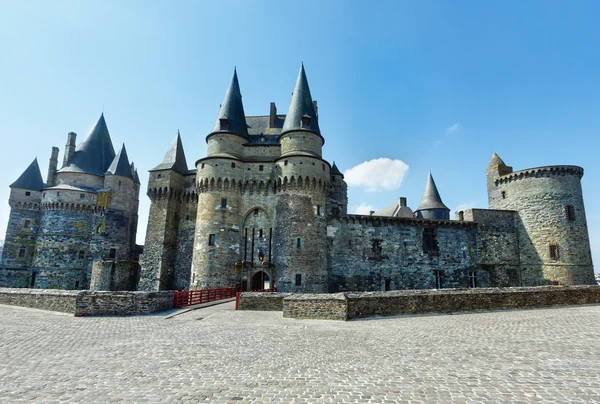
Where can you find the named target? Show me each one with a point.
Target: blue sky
(439, 85)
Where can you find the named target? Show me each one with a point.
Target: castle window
(159, 176)
(223, 203)
(323, 166)
(473, 283)
(305, 122)
(27, 193)
(81, 254)
(298, 279)
(503, 194)
(22, 251)
(112, 253)
(58, 193)
(255, 212)
(299, 242)
(570, 212)
(554, 252)
(81, 196)
(439, 277)
(224, 123)
(76, 284)
(27, 224)
(202, 166)
(260, 233)
(232, 165)
(285, 163)
(212, 239)
(318, 210)
(430, 245)
(261, 167)
(335, 211)
(32, 281)
(187, 217)
(388, 285)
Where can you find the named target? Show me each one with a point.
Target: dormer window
(223, 123)
(305, 122)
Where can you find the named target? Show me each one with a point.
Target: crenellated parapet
(381, 221)
(539, 172)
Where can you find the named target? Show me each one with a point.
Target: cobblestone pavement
(216, 355)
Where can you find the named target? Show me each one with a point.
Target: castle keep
(264, 209)
(86, 212)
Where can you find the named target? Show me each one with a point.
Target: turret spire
(302, 113)
(231, 117)
(431, 206)
(496, 161)
(174, 158)
(30, 179)
(120, 164)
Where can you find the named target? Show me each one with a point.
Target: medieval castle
(264, 209)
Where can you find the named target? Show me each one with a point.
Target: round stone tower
(217, 238)
(553, 236)
(300, 230)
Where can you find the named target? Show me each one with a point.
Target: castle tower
(165, 187)
(431, 206)
(219, 212)
(338, 195)
(23, 226)
(300, 230)
(553, 236)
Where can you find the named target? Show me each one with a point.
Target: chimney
(273, 116)
(371, 213)
(69, 148)
(316, 108)
(51, 178)
(402, 202)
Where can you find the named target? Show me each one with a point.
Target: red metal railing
(191, 297)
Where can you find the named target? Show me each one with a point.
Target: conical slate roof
(431, 197)
(496, 161)
(134, 174)
(30, 179)
(335, 170)
(120, 165)
(174, 158)
(301, 105)
(95, 154)
(232, 109)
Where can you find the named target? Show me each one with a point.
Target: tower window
(58, 193)
(388, 285)
(81, 254)
(112, 253)
(224, 123)
(211, 239)
(187, 217)
(439, 276)
(473, 283)
(223, 203)
(323, 166)
(298, 279)
(503, 194)
(298, 242)
(430, 245)
(260, 233)
(27, 193)
(570, 212)
(261, 167)
(159, 176)
(202, 166)
(27, 224)
(81, 196)
(285, 163)
(318, 210)
(554, 256)
(255, 212)
(305, 121)
(232, 165)
(22, 251)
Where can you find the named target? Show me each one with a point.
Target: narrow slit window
(473, 281)
(439, 278)
(298, 242)
(570, 212)
(27, 193)
(223, 203)
(503, 194)
(261, 167)
(212, 239)
(430, 245)
(554, 254)
(298, 279)
(27, 224)
(112, 253)
(318, 210)
(81, 255)
(285, 163)
(22, 251)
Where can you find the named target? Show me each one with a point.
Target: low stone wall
(332, 306)
(94, 303)
(89, 303)
(262, 301)
(45, 299)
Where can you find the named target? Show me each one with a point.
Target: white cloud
(453, 128)
(382, 174)
(362, 209)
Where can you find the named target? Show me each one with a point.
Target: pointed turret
(31, 178)
(302, 113)
(95, 154)
(496, 161)
(431, 206)
(174, 158)
(335, 170)
(231, 116)
(120, 165)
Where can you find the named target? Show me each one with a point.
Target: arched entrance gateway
(256, 269)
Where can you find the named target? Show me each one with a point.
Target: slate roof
(301, 105)
(174, 158)
(120, 165)
(95, 154)
(232, 109)
(395, 210)
(431, 197)
(335, 170)
(30, 179)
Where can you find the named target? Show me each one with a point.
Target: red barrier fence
(191, 297)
